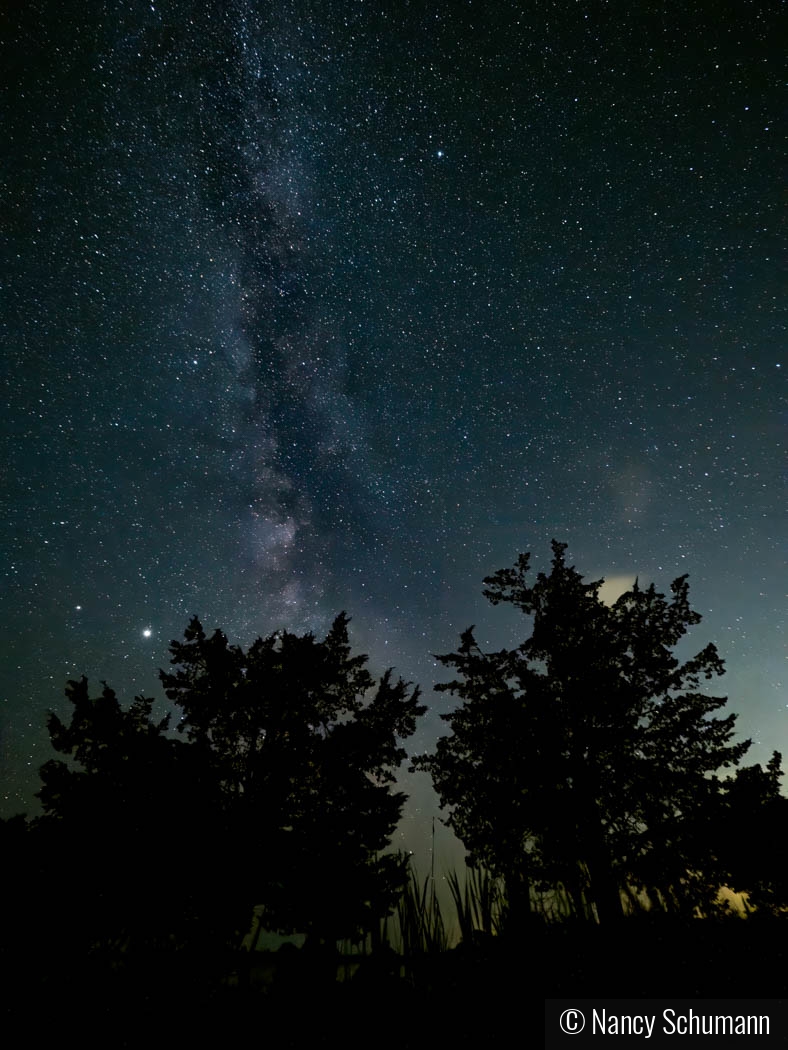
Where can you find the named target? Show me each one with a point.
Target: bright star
(147, 632)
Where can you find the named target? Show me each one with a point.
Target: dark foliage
(583, 758)
(751, 835)
(130, 820)
(302, 762)
(281, 795)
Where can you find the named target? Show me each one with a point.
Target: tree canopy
(303, 763)
(582, 757)
(280, 795)
(749, 834)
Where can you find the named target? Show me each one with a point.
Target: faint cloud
(614, 587)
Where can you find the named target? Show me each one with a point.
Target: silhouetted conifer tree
(302, 761)
(280, 796)
(582, 756)
(125, 815)
(751, 835)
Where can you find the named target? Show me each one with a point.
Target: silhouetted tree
(302, 762)
(281, 795)
(583, 755)
(751, 835)
(125, 814)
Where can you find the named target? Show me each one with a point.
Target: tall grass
(420, 919)
(420, 925)
(480, 904)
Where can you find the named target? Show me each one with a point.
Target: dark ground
(457, 998)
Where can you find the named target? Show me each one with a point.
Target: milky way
(322, 306)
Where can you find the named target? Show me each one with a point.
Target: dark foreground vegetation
(595, 785)
(311, 997)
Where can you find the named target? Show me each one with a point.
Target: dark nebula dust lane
(311, 306)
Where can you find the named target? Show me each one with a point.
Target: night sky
(342, 305)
